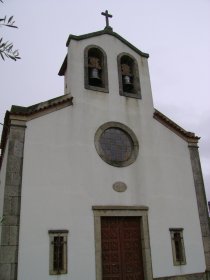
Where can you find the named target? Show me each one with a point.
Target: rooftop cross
(107, 15)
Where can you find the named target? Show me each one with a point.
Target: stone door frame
(139, 211)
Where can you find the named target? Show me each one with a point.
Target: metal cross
(107, 15)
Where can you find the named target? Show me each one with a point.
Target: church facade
(98, 184)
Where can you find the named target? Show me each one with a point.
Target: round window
(116, 144)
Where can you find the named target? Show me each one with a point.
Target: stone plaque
(119, 187)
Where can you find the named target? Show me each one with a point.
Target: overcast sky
(174, 32)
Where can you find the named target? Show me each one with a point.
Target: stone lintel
(119, 207)
(16, 120)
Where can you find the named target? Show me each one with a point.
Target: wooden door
(121, 248)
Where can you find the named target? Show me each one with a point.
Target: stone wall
(195, 276)
(12, 202)
(201, 201)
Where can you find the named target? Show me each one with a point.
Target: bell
(94, 74)
(127, 83)
(94, 79)
(127, 80)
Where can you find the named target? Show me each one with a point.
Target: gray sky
(174, 32)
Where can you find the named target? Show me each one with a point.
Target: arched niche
(95, 64)
(128, 73)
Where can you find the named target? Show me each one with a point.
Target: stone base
(8, 271)
(207, 275)
(194, 276)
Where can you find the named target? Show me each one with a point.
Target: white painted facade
(63, 176)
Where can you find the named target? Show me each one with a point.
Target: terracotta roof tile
(186, 135)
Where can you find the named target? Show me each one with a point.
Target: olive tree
(7, 48)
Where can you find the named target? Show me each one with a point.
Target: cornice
(43, 107)
(18, 115)
(189, 137)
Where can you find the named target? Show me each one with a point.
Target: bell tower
(104, 67)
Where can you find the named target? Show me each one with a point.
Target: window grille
(178, 249)
(58, 251)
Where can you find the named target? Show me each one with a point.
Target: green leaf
(10, 19)
(2, 55)
(3, 19)
(9, 25)
(12, 57)
(3, 45)
(10, 48)
(8, 45)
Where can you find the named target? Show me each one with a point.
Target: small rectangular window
(177, 243)
(58, 251)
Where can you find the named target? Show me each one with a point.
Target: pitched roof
(108, 31)
(40, 107)
(31, 112)
(188, 136)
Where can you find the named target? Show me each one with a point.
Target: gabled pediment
(107, 31)
(42, 108)
(188, 136)
(19, 115)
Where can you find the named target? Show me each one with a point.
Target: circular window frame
(125, 129)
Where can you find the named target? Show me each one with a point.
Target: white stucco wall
(63, 176)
